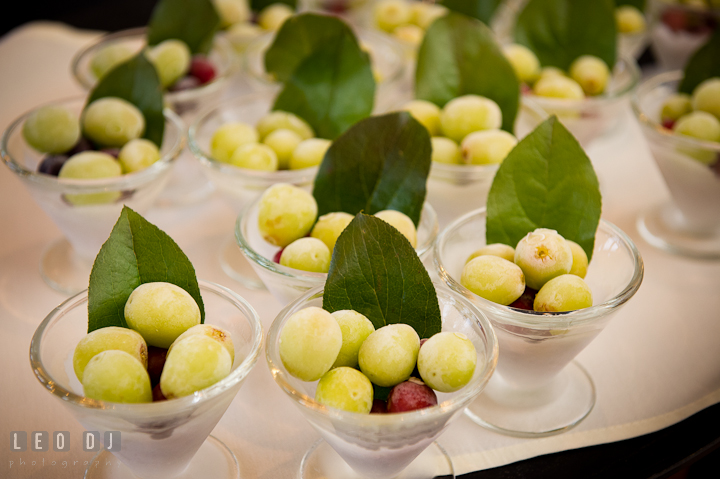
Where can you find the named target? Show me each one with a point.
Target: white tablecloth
(657, 362)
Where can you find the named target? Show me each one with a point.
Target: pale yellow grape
(629, 19)
(282, 119)
(171, 59)
(107, 58)
(549, 72)
(401, 222)
(706, 97)
(215, 332)
(388, 356)
(285, 214)
(567, 292)
(493, 278)
(104, 339)
(309, 343)
(676, 105)
(307, 254)
(699, 124)
(487, 147)
(524, 62)
(427, 113)
(273, 16)
(232, 12)
(229, 137)
(255, 156)
(580, 259)
(424, 14)
(241, 35)
(409, 34)
(161, 312)
(309, 153)
(195, 363)
(557, 86)
(329, 227)
(466, 114)
(495, 249)
(444, 150)
(283, 142)
(390, 14)
(347, 389)
(591, 73)
(112, 122)
(116, 376)
(542, 255)
(51, 129)
(447, 361)
(137, 155)
(90, 165)
(355, 329)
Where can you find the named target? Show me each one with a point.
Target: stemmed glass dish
(163, 439)
(285, 283)
(690, 223)
(538, 389)
(385, 445)
(239, 186)
(65, 264)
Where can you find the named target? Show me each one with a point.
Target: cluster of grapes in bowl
(242, 27)
(543, 273)
(164, 353)
(696, 115)
(406, 20)
(347, 356)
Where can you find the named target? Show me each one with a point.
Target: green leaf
(136, 252)
(704, 64)
(136, 81)
(459, 56)
(257, 5)
(483, 10)
(547, 181)
(380, 163)
(559, 31)
(192, 21)
(332, 87)
(639, 4)
(376, 272)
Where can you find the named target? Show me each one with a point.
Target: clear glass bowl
(383, 445)
(690, 224)
(239, 186)
(285, 283)
(158, 439)
(66, 264)
(537, 390)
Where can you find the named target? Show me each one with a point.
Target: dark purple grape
(411, 395)
(52, 164)
(114, 152)
(83, 144)
(202, 69)
(156, 361)
(185, 83)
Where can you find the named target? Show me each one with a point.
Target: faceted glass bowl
(537, 391)
(690, 224)
(66, 265)
(383, 445)
(159, 439)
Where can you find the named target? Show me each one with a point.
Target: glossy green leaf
(704, 64)
(137, 82)
(376, 272)
(192, 21)
(459, 56)
(483, 10)
(381, 163)
(136, 252)
(547, 181)
(559, 31)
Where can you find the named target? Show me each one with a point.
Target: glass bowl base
(554, 409)
(655, 226)
(236, 265)
(186, 185)
(63, 269)
(322, 462)
(213, 459)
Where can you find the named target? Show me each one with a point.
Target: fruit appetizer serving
(134, 355)
(380, 166)
(632, 27)
(82, 159)
(549, 274)
(379, 364)
(680, 116)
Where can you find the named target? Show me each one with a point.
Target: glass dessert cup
(387, 58)
(239, 186)
(690, 223)
(286, 284)
(162, 439)
(187, 185)
(65, 265)
(385, 445)
(538, 389)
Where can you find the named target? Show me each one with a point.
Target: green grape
(329, 227)
(195, 363)
(487, 147)
(566, 292)
(580, 259)
(447, 361)
(241, 35)
(400, 222)
(424, 14)
(116, 376)
(495, 249)
(493, 278)
(91, 165)
(309, 153)
(108, 58)
(309, 343)
(171, 59)
(273, 16)
(390, 14)
(388, 356)
(286, 213)
(232, 12)
(706, 97)
(283, 142)
(591, 73)
(675, 106)
(255, 156)
(112, 122)
(409, 34)
(556, 86)
(306, 254)
(444, 150)
(51, 129)
(137, 155)
(629, 20)
(355, 329)
(523, 61)
(229, 137)
(542, 255)
(276, 120)
(217, 333)
(699, 124)
(161, 312)
(347, 389)
(549, 72)
(427, 113)
(104, 339)
(467, 114)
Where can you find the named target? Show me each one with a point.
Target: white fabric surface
(656, 363)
